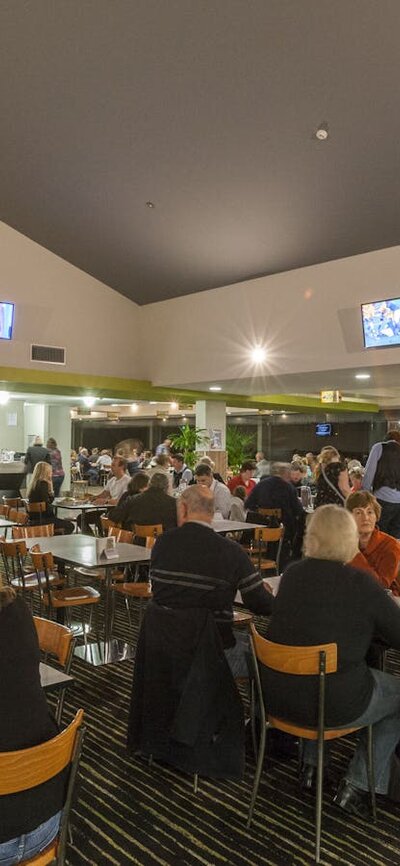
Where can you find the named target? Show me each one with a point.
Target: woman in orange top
(379, 553)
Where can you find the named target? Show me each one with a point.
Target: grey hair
(331, 535)
(199, 499)
(280, 469)
(160, 480)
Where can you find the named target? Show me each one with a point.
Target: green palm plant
(188, 440)
(239, 447)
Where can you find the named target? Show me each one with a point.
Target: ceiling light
(134, 407)
(258, 355)
(363, 375)
(322, 133)
(4, 398)
(215, 388)
(150, 204)
(174, 405)
(153, 403)
(89, 401)
(284, 415)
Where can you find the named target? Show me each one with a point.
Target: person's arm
(251, 587)
(370, 469)
(360, 561)
(224, 502)
(343, 483)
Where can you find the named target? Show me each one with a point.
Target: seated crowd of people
(339, 586)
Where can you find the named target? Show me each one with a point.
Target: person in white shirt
(104, 461)
(222, 496)
(115, 487)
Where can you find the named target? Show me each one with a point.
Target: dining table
(221, 525)
(90, 553)
(5, 525)
(52, 679)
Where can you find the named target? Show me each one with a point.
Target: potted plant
(239, 446)
(187, 441)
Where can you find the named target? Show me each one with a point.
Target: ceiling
(209, 111)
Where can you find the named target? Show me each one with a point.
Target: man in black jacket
(35, 454)
(152, 506)
(278, 492)
(194, 567)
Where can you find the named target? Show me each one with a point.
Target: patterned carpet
(129, 813)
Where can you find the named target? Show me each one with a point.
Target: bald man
(193, 566)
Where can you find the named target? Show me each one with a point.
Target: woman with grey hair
(321, 600)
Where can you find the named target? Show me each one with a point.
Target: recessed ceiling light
(89, 401)
(284, 415)
(363, 375)
(134, 407)
(4, 398)
(174, 405)
(258, 354)
(153, 403)
(215, 388)
(322, 133)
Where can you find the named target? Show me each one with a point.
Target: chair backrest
(301, 660)
(4, 509)
(13, 502)
(17, 516)
(36, 507)
(42, 562)
(122, 535)
(27, 768)
(150, 531)
(13, 548)
(269, 534)
(54, 638)
(271, 512)
(107, 523)
(43, 530)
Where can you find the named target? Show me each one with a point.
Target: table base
(114, 650)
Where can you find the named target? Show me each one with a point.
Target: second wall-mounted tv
(381, 323)
(6, 320)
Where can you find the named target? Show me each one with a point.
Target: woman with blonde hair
(41, 490)
(322, 600)
(29, 820)
(332, 478)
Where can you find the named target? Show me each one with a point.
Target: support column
(60, 428)
(211, 416)
(35, 422)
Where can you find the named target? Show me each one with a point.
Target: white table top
(51, 678)
(82, 550)
(234, 525)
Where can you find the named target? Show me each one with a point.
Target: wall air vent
(48, 354)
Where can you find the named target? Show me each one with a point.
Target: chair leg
(371, 773)
(195, 783)
(253, 717)
(84, 629)
(318, 803)
(257, 777)
(128, 610)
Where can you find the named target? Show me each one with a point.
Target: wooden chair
(318, 661)
(271, 512)
(262, 538)
(34, 508)
(13, 554)
(148, 531)
(44, 530)
(136, 589)
(28, 768)
(106, 524)
(14, 502)
(4, 510)
(67, 598)
(18, 516)
(56, 640)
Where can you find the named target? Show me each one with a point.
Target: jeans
(389, 520)
(383, 712)
(237, 655)
(57, 482)
(30, 844)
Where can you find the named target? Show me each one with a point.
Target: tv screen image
(323, 429)
(6, 320)
(381, 323)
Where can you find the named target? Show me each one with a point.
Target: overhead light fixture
(134, 407)
(363, 375)
(284, 415)
(258, 355)
(215, 388)
(89, 401)
(4, 398)
(322, 132)
(153, 403)
(150, 204)
(174, 405)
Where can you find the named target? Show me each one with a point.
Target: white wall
(59, 305)
(12, 437)
(308, 318)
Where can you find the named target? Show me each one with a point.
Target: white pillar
(60, 427)
(211, 416)
(35, 422)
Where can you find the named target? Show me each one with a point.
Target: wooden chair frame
(265, 536)
(36, 508)
(17, 516)
(43, 530)
(306, 660)
(13, 554)
(59, 641)
(27, 768)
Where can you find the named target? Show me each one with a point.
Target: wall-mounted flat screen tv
(323, 429)
(381, 323)
(6, 320)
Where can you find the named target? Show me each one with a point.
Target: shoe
(308, 777)
(352, 800)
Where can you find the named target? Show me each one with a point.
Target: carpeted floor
(128, 813)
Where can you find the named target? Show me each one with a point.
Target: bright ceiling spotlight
(4, 398)
(215, 388)
(363, 375)
(89, 401)
(134, 407)
(258, 355)
(174, 405)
